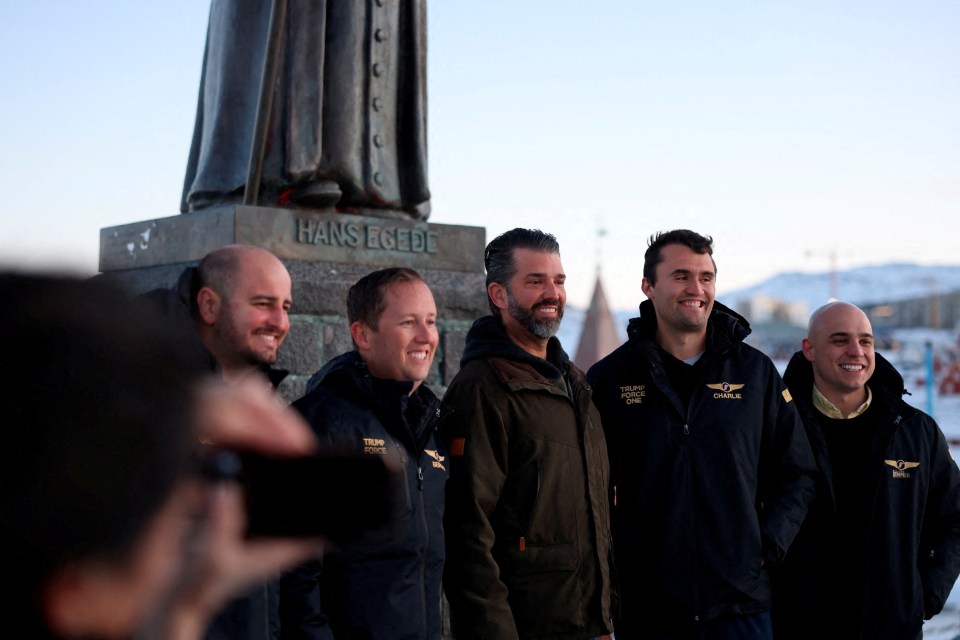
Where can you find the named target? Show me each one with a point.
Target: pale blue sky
(786, 130)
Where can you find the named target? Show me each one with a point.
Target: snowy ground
(946, 626)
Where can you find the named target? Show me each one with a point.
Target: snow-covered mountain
(861, 285)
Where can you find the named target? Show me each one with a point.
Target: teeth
(692, 303)
(852, 367)
(418, 355)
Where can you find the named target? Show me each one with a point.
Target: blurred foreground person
(880, 550)
(107, 528)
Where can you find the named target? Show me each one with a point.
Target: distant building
(763, 309)
(598, 335)
(777, 326)
(934, 311)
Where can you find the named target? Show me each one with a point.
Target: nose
(426, 332)
(551, 291)
(280, 318)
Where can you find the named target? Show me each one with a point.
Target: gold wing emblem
(725, 386)
(901, 464)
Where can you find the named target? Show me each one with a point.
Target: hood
(885, 381)
(176, 303)
(488, 339)
(175, 306)
(348, 372)
(724, 327)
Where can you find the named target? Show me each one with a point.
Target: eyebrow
(267, 298)
(844, 334)
(690, 272)
(544, 275)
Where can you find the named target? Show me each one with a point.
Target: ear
(208, 305)
(808, 350)
(360, 333)
(498, 293)
(647, 288)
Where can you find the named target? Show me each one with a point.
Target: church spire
(599, 335)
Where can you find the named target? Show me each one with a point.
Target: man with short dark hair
(527, 524)
(712, 469)
(880, 550)
(372, 402)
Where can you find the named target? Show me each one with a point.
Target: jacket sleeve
(940, 536)
(787, 472)
(301, 616)
(301, 613)
(477, 440)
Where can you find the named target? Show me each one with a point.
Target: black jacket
(910, 558)
(254, 616)
(527, 524)
(709, 493)
(388, 584)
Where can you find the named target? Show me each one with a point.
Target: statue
(342, 122)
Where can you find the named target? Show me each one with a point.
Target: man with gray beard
(527, 520)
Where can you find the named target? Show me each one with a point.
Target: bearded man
(527, 519)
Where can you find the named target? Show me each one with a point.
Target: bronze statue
(341, 118)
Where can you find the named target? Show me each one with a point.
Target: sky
(801, 136)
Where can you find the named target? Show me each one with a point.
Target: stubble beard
(237, 342)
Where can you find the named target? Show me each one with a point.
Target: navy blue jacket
(709, 493)
(387, 585)
(910, 555)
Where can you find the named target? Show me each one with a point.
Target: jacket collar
(886, 380)
(488, 339)
(725, 327)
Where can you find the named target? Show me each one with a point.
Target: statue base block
(325, 253)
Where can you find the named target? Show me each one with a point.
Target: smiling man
(236, 302)
(242, 308)
(880, 550)
(372, 401)
(712, 470)
(527, 524)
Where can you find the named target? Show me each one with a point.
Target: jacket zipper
(533, 510)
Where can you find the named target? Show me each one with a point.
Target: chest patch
(726, 390)
(901, 467)
(633, 393)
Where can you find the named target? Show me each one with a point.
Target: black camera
(331, 495)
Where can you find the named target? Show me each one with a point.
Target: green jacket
(527, 521)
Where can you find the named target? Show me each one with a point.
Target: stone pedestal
(325, 252)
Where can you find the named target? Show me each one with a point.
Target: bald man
(238, 300)
(880, 549)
